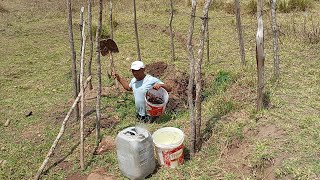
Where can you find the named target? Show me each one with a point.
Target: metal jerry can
(135, 152)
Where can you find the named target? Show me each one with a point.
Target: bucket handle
(131, 133)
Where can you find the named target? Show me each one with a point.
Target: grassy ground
(281, 142)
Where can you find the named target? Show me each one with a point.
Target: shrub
(252, 7)
(222, 80)
(301, 5)
(104, 31)
(229, 7)
(225, 107)
(290, 5)
(283, 6)
(266, 99)
(217, 4)
(313, 36)
(114, 22)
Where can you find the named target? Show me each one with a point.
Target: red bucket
(156, 101)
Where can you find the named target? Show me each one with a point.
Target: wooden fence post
(90, 41)
(191, 80)
(198, 76)
(275, 30)
(98, 103)
(73, 57)
(239, 27)
(173, 57)
(207, 40)
(260, 55)
(136, 29)
(82, 91)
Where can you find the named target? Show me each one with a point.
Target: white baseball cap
(136, 65)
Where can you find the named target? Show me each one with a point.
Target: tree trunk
(82, 91)
(207, 40)
(80, 30)
(90, 41)
(260, 56)
(239, 27)
(191, 81)
(173, 57)
(136, 29)
(275, 39)
(198, 76)
(98, 104)
(73, 57)
(111, 22)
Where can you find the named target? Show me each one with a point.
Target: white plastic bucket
(156, 109)
(169, 146)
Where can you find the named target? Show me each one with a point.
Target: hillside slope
(280, 142)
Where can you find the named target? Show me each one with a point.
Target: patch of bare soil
(97, 174)
(178, 97)
(109, 122)
(65, 165)
(236, 156)
(106, 144)
(33, 133)
(100, 174)
(76, 176)
(105, 91)
(270, 130)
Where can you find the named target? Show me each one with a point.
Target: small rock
(3, 149)
(7, 123)
(3, 163)
(106, 144)
(29, 114)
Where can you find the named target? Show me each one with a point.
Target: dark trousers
(145, 118)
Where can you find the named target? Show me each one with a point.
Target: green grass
(35, 75)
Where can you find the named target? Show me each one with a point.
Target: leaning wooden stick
(54, 145)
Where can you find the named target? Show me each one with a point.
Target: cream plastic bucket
(169, 146)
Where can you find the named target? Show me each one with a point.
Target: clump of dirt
(178, 97)
(156, 69)
(155, 100)
(106, 144)
(108, 122)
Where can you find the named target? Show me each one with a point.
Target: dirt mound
(179, 82)
(156, 69)
(106, 144)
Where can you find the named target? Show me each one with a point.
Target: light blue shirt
(140, 89)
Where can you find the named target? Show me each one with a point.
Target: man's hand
(115, 75)
(157, 86)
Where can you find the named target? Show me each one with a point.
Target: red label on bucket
(173, 157)
(154, 111)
